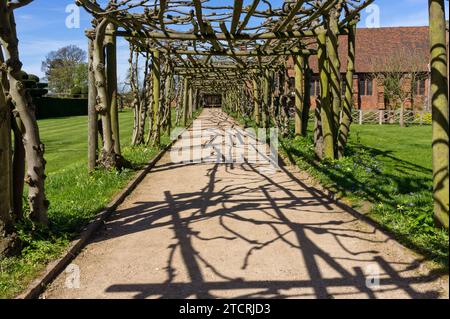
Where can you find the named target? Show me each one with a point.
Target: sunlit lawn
(391, 168)
(75, 196)
(65, 139)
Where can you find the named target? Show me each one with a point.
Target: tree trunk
(92, 113)
(185, 101)
(145, 102)
(5, 154)
(299, 93)
(108, 157)
(256, 102)
(344, 128)
(111, 76)
(334, 67)
(7, 236)
(307, 99)
(439, 105)
(156, 74)
(18, 168)
(190, 101)
(326, 111)
(402, 114)
(137, 103)
(284, 111)
(318, 137)
(265, 104)
(170, 97)
(34, 149)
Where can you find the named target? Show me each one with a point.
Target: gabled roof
(373, 43)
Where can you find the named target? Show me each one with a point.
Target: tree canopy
(65, 69)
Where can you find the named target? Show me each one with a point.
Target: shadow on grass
(399, 195)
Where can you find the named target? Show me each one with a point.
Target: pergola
(236, 50)
(229, 49)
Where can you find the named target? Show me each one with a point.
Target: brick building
(370, 45)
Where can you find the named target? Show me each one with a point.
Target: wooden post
(344, 127)
(299, 93)
(318, 137)
(380, 117)
(24, 109)
(334, 67)
(108, 156)
(326, 114)
(190, 101)
(440, 112)
(256, 100)
(12, 159)
(156, 74)
(360, 117)
(306, 97)
(111, 82)
(265, 104)
(272, 113)
(185, 100)
(196, 99)
(167, 102)
(92, 113)
(6, 171)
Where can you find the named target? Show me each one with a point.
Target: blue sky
(42, 28)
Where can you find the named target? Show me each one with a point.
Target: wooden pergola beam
(199, 15)
(236, 15)
(251, 53)
(285, 35)
(249, 14)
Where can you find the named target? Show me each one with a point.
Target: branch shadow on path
(229, 204)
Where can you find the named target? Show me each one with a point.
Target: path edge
(54, 268)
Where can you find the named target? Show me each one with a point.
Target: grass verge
(75, 195)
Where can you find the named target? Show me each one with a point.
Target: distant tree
(398, 74)
(65, 69)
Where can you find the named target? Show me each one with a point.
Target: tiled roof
(371, 44)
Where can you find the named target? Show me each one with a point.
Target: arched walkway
(208, 230)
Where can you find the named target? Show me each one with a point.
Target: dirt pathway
(208, 230)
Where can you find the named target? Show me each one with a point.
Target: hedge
(50, 107)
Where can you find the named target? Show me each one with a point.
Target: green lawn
(390, 168)
(387, 174)
(410, 146)
(75, 196)
(65, 139)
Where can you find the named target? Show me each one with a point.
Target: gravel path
(208, 230)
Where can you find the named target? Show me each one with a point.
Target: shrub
(38, 92)
(50, 107)
(41, 85)
(23, 75)
(29, 84)
(33, 77)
